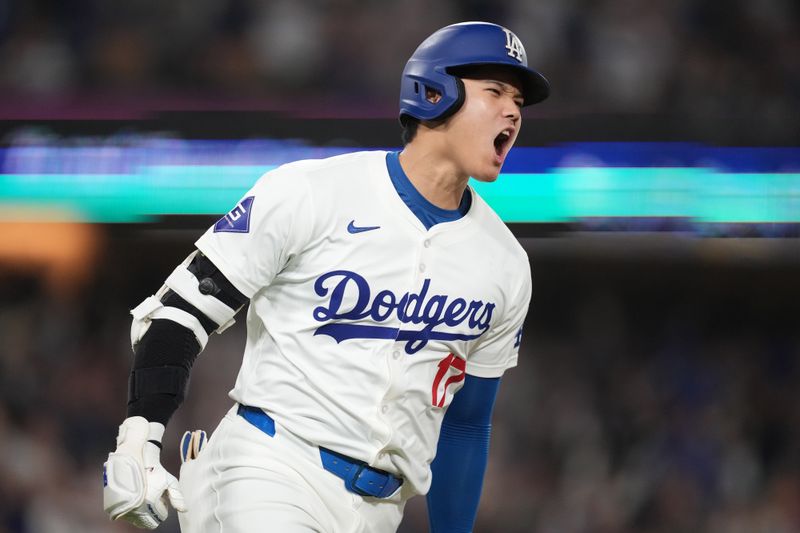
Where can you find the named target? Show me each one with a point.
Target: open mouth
(501, 142)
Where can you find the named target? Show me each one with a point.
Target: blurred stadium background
(657, 193)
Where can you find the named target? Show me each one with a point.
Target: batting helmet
(462, 45)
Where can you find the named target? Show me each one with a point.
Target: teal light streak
(135, 197)
(561, 195)
(703, 195)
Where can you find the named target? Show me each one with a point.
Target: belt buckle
(375, 490)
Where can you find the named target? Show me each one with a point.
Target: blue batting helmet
(462, 45)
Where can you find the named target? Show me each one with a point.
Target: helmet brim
(535, 87)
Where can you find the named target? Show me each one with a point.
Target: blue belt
(358, 476)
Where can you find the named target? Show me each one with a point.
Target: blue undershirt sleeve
(461, 457)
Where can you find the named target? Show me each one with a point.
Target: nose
(512, 111)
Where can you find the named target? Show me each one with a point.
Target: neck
(437, 178)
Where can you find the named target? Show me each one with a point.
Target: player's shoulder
(321, 185)
(496, 232)
(348, 164)
(301, 177)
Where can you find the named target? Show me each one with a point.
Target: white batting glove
(136, 488)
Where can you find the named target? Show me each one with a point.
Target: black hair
(409, 126)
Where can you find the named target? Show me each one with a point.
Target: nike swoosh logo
(352, 228)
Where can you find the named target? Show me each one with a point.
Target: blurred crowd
(650, 398)
(699, 58)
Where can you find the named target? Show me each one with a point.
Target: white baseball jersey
(362, 323)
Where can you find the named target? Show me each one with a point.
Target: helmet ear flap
(450, 102)
(461, 95)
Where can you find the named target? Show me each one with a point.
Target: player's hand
(136, 488)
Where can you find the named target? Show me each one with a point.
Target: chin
(487, 175)
(486, 178)
(483, 166)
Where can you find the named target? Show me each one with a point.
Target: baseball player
(385, 301)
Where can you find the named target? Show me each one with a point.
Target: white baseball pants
(245, 481)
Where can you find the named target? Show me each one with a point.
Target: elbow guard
(196, 295)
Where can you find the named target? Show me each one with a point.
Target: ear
(432, 95)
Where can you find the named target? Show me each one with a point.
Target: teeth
(504, 135)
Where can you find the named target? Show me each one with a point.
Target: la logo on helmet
(514, 46)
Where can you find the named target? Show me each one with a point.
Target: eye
(493, 90)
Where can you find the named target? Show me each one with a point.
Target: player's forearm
(170, 329)
(461, 457)
(458, 472)
(160, 375)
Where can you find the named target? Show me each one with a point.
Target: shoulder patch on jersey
(518, 338)
(238, 219)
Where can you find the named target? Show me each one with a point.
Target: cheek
(464, 134)
(471, 144)
(468, 129)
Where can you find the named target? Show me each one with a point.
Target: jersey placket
(394, 354)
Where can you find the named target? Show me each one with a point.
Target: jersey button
(427, 243)
(396, 354)
(384, 409)
(422, 267)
